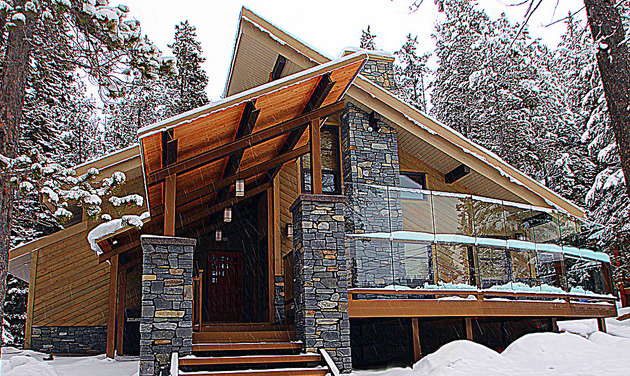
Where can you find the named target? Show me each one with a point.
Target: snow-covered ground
(581, 351)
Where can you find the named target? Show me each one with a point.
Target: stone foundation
(167, 302)
(86, 340)
(321, 277)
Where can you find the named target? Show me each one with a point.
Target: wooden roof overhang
(247, 136)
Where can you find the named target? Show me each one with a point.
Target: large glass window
(331, 173)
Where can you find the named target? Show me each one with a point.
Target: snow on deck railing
(522, 245)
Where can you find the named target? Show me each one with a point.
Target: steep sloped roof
(256, 34)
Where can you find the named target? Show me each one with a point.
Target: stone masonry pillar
(167, 301)
(321, 277)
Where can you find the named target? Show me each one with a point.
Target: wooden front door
(225, 286)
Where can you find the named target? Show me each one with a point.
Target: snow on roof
(372, 53)
(240, 98)
(110, 227)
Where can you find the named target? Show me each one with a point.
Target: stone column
(167, 301)
(321, 277)
(370, 166)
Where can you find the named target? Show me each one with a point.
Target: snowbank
(30, 363)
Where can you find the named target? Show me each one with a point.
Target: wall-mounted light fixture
(218, 235)
(227, 215)
(289, 230)
(240, 188)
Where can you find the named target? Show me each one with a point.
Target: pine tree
(367, 40)
(15, 310)
(498, 91)
(605, 200)
(145, 103)
(410, 74)
(188, 87)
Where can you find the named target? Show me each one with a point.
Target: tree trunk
(14, 79)
(613, 59)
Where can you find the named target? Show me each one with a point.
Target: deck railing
(411, 237)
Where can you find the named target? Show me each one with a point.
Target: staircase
(235, 349)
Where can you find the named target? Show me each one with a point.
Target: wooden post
(601, 324)
(316, 157)
(469, 328)
(170, 190)
(122, 286)
(608, 283)
(30, 304)
(270, 252)
(415, 330)
(200, 303)
(554, 325)
(111, 313)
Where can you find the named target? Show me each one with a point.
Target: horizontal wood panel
(471, 308)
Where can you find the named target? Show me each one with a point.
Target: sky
(326, 25)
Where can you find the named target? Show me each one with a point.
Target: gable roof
(254, 32)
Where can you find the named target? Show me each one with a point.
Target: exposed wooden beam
(243, 143)
(245, 128)
(415, 332)
(316, 157)
(115, 251)
(278, 67)
(122, 284)
(457, 173)
(167, 136)
(186, 219)
(170, 193)
(248, 173)
(316, 99)
(30, 302)
(111, 306)
(469, 328)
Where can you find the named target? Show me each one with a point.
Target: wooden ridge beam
(251, 140)
(273, 163)
(278, 67)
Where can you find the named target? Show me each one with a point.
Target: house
(312, 221)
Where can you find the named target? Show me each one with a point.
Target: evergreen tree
(367, 40)
(410, 74)
(15, 310)
(497, 90)
(145, 103)
(188, 86)
(605, 200)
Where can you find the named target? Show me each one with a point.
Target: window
(414, 180)
(331, 173)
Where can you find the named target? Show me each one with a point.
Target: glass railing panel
(417, 210)
(568, 228)
(452, 263)
(453, 214)
(417, 265)
(494, 266)
(524, 267)
(584, 276)
(515, 218)
(551, 273)
(489, 222)
(545, 225)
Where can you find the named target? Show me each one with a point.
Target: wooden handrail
(197, 300)
(482, 293)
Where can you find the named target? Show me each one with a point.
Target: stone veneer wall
(370, 165)
(167, 301)
(69, 339)
(321, 277)
(278, 299)
(380, 72)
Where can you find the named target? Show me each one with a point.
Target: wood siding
(287, 188)
(71, 287)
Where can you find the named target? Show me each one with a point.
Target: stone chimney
(379, 68)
